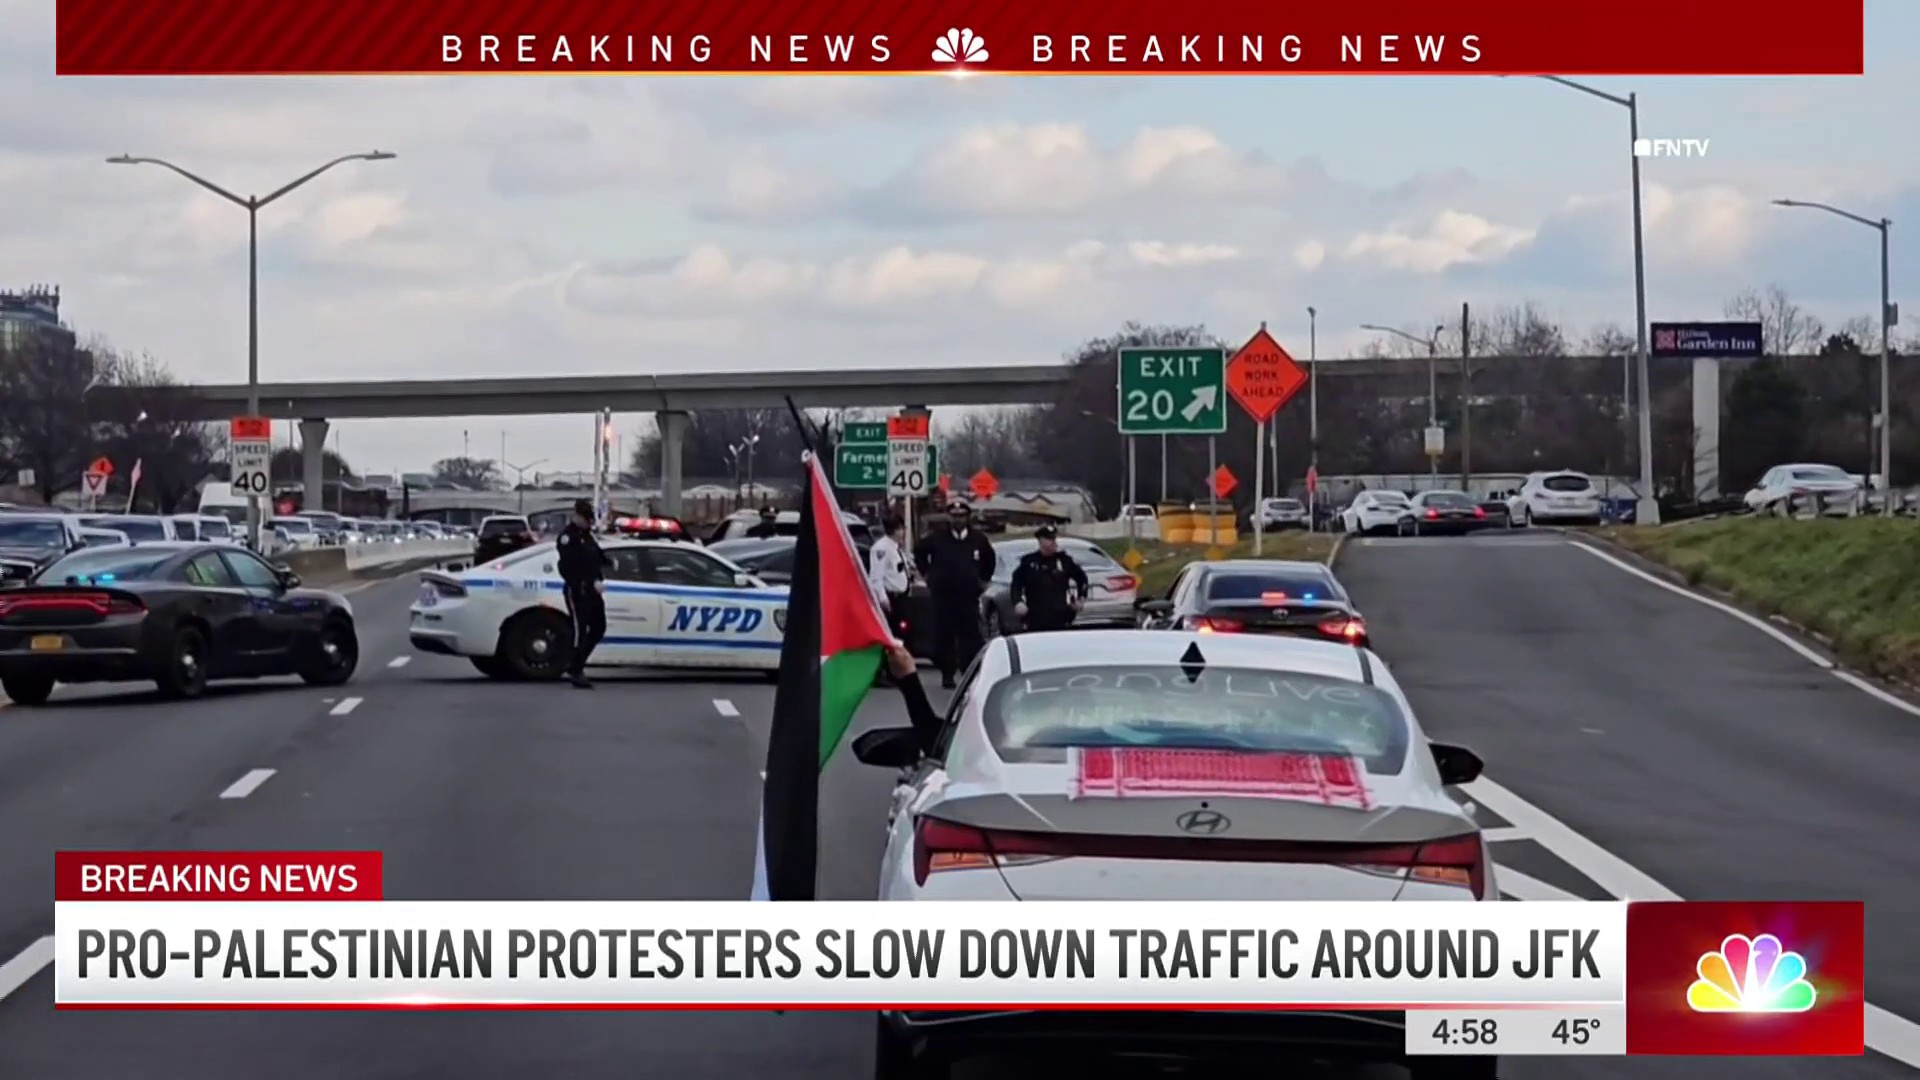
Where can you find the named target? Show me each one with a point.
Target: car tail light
(1213, 624)
(447, 588)
(1350, 628)
(1479, 511)
(942, 846)
(1122, 582)
(1431, 514)
(95, 603)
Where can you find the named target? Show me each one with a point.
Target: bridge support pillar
(673, 435)
(1706, 427)
(313, 463)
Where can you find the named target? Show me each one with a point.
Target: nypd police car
(669, 604)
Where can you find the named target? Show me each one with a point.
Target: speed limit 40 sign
(907, 467)
(249, 455)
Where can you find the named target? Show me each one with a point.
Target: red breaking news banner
(216, 875)
(1058, 37)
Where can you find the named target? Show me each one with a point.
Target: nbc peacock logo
(1751, 975)
(960, 46)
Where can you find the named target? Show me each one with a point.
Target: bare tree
(174, 451)
(998, 440)
(478, 474)
(1786, 328)
(44, 378)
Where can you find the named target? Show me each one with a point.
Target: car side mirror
(1148, 606)
(888, 748)
(743, 580)
(1457, 764)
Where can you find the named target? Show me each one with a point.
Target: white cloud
(1451, 239)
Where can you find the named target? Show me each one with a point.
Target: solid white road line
(399, 661)
(346, 706)
(1503, 836)
(1754, 621)
(1895, 1036)
(15, 972)
(246, 785)
(724, 707)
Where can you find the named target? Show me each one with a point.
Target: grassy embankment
(1163, 561)
(1855, 582)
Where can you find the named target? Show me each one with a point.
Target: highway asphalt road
(1760, 780)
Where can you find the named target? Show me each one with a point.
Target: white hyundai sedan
(1167, 765)
(669, 604)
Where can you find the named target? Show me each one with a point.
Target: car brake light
(1205, 624)
(1273, 598)
(1122, 582)
(1345, 627)
(942, 846)
(1433, 514)
(1479, 511)
(97, 603)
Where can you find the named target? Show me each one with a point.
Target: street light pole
(1647, 511)
(1433, 380)
(1885, 228)
(251, 204)
(1313, 420)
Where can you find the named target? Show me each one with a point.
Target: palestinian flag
(835, 643)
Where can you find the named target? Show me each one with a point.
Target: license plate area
(47, 643)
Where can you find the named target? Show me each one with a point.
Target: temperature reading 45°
(1575, 1032)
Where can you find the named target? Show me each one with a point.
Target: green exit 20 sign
(1175, 391)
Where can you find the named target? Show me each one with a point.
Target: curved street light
(1433, 381)
(1885, 228)
(251, 204)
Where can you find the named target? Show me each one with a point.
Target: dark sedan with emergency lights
(1444, 513)
(1257, 596)
(175, 614)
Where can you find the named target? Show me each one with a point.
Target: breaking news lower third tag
(311, 930)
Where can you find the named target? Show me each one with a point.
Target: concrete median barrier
(317, 566)
(368, 556)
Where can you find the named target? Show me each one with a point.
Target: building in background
(32, 310)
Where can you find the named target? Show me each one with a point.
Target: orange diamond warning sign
(1262, 377)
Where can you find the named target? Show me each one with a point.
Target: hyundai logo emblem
(1204, 822)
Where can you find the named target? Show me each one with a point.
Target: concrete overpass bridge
(672, 396)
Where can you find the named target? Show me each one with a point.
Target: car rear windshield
(1389, 498)
(1449, 498)
(1820, 472)
(1285, 504)
(1244, 586)
(104, 566)
(215, 527)
(28, 533)
(1566, 483)
(503, 526)
(135, 528)
(294, 526)
(1037, 716)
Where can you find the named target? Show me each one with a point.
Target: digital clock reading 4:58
(1471, 1031)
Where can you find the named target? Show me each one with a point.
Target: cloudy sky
(537, 225)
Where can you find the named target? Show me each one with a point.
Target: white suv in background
(1550, 497)
(1374, 510)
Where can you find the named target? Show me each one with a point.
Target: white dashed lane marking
(724, 707)
(346, 706)
(399, 661)
(247, 784)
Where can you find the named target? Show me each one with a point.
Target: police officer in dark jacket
(767, 527)
(583, 568)
(957, 562)
(1047, 584)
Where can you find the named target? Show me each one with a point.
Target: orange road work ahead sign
(984, 484)
(1262, 377)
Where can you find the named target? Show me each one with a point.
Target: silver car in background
(1010, 806)
(1111, 587)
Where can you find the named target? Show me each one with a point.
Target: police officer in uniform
(583, 567)
(956, 562)
(1047, 584)
(767, 527)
